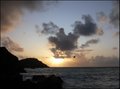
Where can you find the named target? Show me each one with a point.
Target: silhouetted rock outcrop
(32, 63)
(11, 67)
(9, 64)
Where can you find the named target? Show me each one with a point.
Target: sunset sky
(62, 33)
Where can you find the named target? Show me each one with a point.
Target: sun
(57, 60)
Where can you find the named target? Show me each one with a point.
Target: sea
(82, 77)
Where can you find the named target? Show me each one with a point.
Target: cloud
(102, 17)
(47, 29)
(79, 53)
(100, 31)
(59, 54)
(38, 30)
(11, 45)
(101, 61)
(12, 11)
(64, 42)
(87, 44)
(84, 50)
(98, 61)
(50, 28)
(87, 28)
(114, 15)
(81, 60)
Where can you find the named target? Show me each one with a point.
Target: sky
(62, 33)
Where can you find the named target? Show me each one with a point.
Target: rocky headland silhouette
(11, 67)
(32, 63)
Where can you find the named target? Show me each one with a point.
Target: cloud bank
(12, 11)
(11, 45)
(102, 61)
(97, 61)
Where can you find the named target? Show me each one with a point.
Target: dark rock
(28, 84)
(11, 68)
(54, 82)
(38, 78)
(32, 63)
(51, 82)
(9, 64)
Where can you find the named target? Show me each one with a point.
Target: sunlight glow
(57, 60)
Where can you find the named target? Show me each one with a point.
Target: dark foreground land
(11, 67)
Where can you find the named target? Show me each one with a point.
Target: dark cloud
(11, 45)
(87, 44)
(49, 28)
(11, 11)
(87, 28)
(114, 15)
(64, 42)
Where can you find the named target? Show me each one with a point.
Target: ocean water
(78, 78)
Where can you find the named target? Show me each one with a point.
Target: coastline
(10, 77)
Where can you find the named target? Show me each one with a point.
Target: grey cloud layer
(102, 61)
